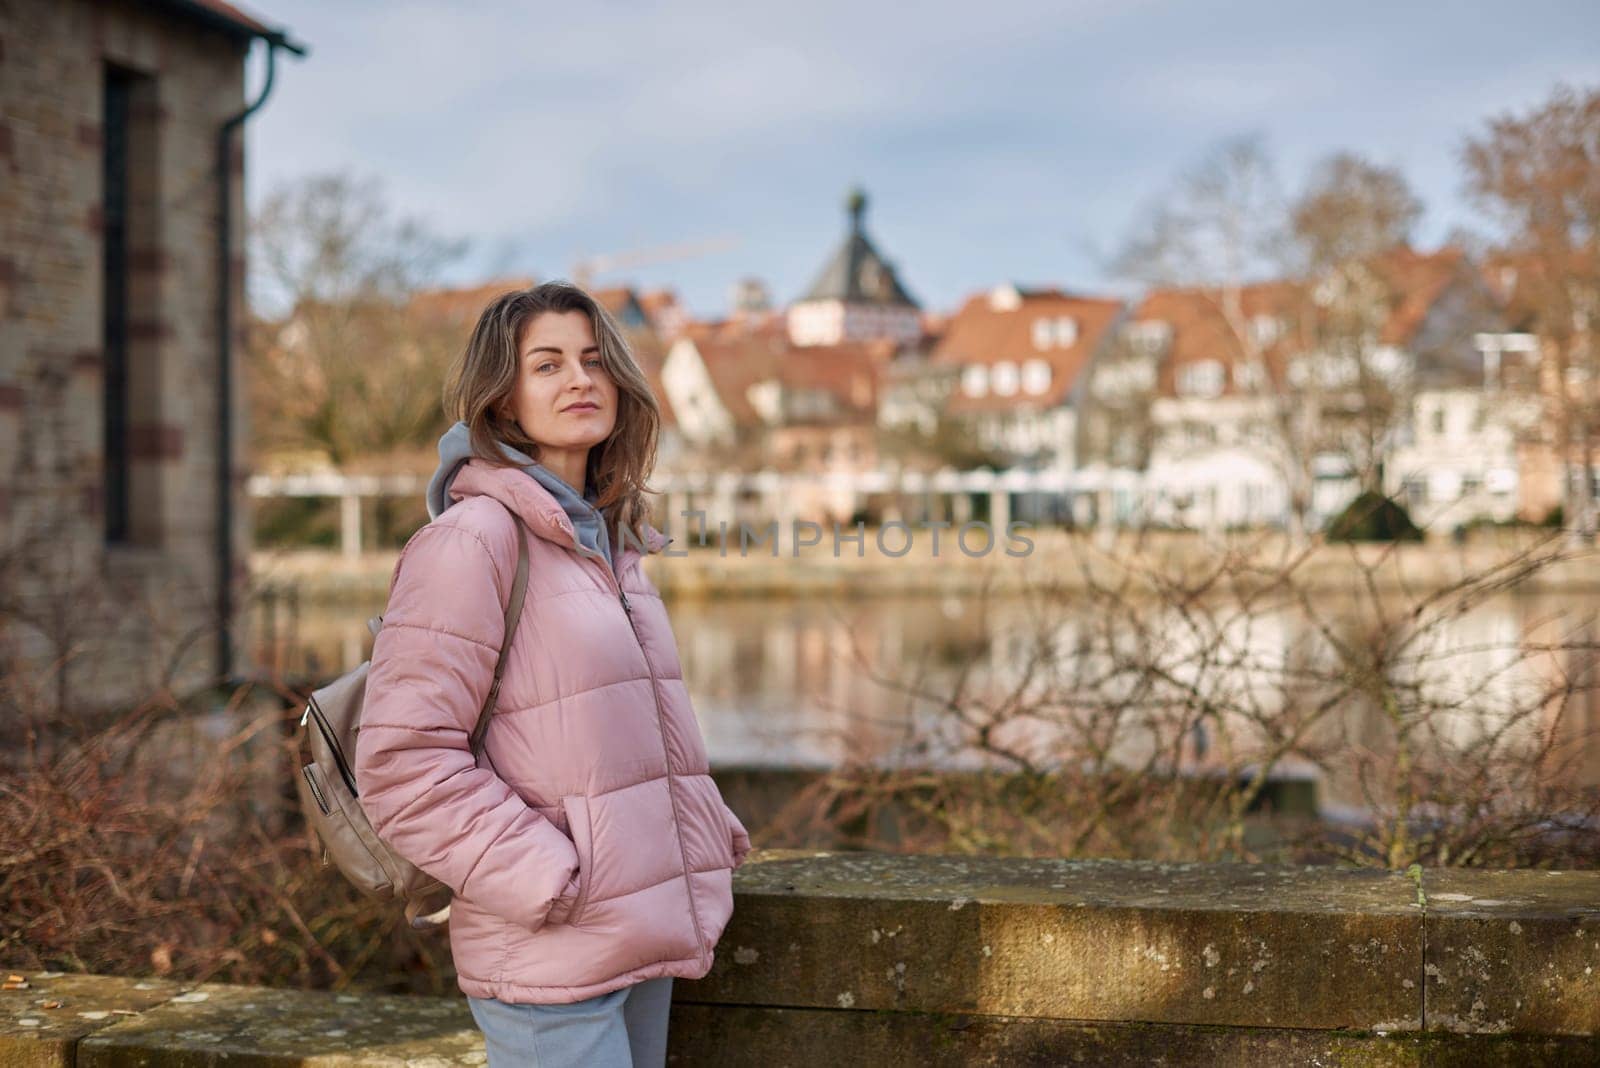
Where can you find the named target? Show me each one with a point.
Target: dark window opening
(132, 444)
(119, 92)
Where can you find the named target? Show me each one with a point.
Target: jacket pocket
(738, 837)
(350, 837)
(576, 808)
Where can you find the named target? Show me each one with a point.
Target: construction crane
(585, 269)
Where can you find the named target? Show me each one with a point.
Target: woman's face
(563, 399)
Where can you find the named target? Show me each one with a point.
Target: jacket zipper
(343, 767)
(661, 727)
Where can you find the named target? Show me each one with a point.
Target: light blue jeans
(624, 1028)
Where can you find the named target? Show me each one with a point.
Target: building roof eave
(219, 15)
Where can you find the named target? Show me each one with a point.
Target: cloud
(1003, 134)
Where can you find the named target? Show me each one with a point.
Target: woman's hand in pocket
(738, 838)
(566, 899)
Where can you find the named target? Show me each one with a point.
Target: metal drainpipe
(225, 374)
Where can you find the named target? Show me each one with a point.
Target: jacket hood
(586, 524)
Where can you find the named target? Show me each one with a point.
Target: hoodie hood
(455, 449)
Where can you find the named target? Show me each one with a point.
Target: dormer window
(1043, 333)
(1004, 379)
(1035, 376)
(975, 380)
(1060, 331)
(1203, 378)
(1148, 336)
(1249, 375)
(1265, 329)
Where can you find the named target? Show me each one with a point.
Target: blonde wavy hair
(478, 391)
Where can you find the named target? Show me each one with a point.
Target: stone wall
(119, 613)
(942, 960)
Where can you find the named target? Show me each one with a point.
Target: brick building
(121, 252)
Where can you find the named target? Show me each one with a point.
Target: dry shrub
(169, 844)
(1153, 701)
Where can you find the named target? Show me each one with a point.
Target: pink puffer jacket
(589, 849)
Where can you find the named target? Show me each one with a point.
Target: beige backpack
(327, 783)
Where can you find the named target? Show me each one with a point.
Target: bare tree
(1300, 297)
(1351, 215)
(1222, 224)
(1539, 173)
(352, 365)
(1217, 233)
(1352, 210)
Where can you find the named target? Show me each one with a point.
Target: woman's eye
(592, 360)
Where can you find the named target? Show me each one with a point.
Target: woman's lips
(582, 408)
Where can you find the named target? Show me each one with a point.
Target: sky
(996, 140)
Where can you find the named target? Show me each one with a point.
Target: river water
(813, 682)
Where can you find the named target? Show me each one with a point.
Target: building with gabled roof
(746, 397)
(1016, 358)
(1217, 360)
(1236, 367)
(857, 296)
(734, 384)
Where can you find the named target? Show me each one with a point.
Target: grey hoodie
(455, 449)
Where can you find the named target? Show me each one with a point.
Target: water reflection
(813, 682)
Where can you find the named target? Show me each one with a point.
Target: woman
(589, 850)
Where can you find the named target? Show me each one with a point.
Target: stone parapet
(934, 960)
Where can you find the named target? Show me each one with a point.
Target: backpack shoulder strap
(519, 591)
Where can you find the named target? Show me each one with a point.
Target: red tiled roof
(228, 18)
(1201, 331)
(850, 372)
(769, 325)
(1417, 280)
(466, 302)
(737, 362)
(1524, 282)
(233, 14)
(738, 359)
(981, 333)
